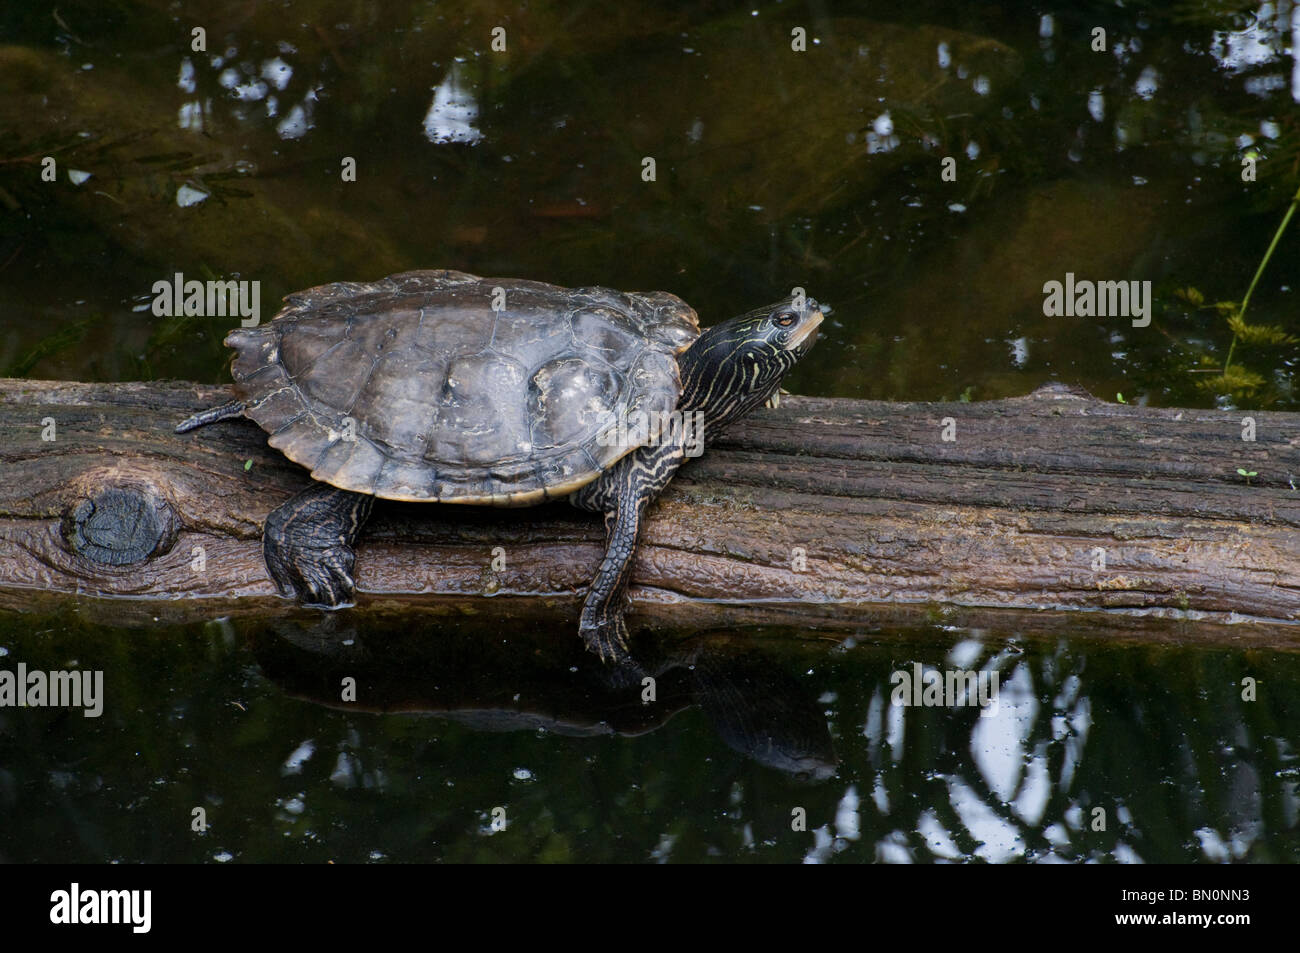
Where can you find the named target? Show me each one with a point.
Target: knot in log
(119, 520)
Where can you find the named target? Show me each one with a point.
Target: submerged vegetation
(1237, 381)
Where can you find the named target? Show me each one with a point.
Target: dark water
(774, 168)
(1094, 752)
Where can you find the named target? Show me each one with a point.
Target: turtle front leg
(622, 493)
(602, 626)
(308, 540)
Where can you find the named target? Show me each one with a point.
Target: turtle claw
(307, 544)
(317, 578)
(606, 637)
(334, 588)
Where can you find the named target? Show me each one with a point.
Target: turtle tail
(231, 409)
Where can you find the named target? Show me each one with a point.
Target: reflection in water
(1072, 768)
(1096, 751)
(192, 114)
(453, 112)
(187, 195)
(754, 706)
(1263, 40)
(298, 122)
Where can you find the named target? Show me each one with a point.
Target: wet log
(1055, 501)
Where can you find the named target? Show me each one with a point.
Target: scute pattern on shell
(446, 399)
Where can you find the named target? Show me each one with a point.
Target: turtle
(442, 386)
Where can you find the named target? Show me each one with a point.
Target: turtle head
(736, 365)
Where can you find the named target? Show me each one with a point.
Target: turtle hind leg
(307, 543)
(232, 408)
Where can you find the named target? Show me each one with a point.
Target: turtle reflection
(756, 708)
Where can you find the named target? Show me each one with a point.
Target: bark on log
(1054, 501)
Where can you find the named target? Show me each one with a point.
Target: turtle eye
(785, 319)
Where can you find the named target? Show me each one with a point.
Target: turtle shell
(416, 388)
